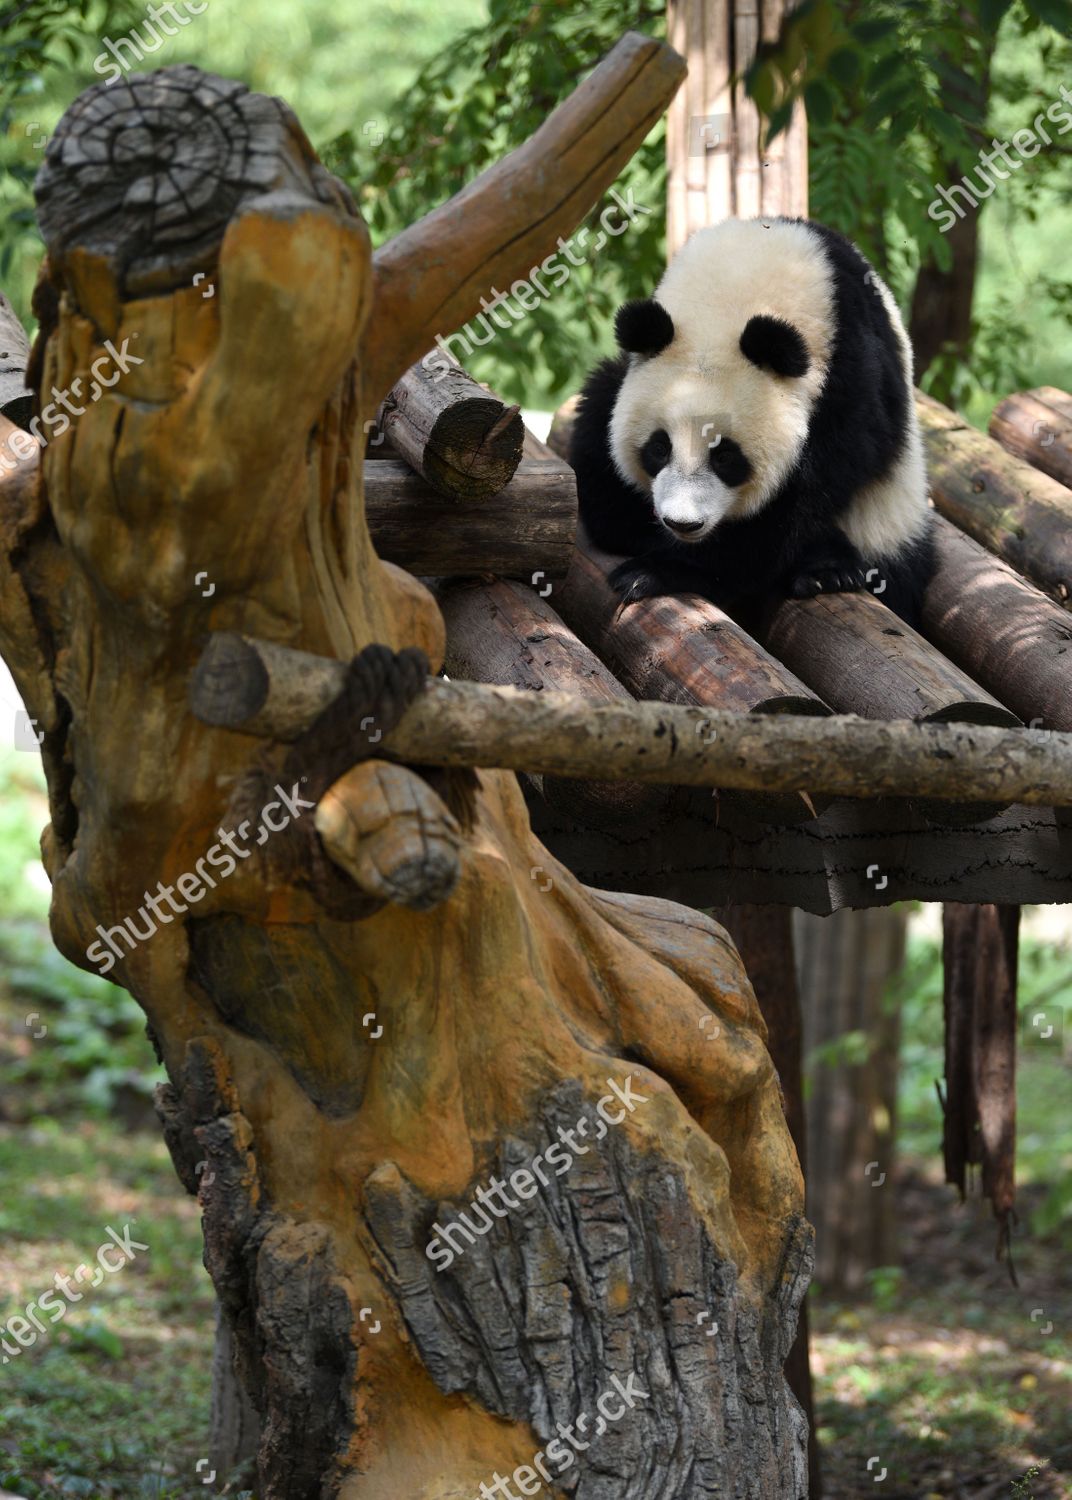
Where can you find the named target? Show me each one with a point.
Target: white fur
(720, 278)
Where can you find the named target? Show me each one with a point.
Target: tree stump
(347, 1070)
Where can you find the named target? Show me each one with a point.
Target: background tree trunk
(845, 963)
(353, 1056)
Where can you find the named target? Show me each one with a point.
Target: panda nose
(683, 528)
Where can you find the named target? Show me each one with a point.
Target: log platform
(995, 648)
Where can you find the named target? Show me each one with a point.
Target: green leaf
(820, 101)
(1055, 13)
(877, 30)
(844, 66)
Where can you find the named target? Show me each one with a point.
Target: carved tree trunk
(352, 1056)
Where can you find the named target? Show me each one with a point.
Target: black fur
(643, 327)
(794, 546)
(774, 344)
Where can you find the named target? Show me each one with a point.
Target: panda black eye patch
(729, 462)
(655, 454)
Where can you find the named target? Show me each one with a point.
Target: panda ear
(776, 345)
(643, 327)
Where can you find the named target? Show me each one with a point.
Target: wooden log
(859, 854)
(861, 659)
(528, 531)
(463, 440)
(1007, 634)
(16, 402)
(683, 649)
(505, 633)
(428, 277)
(561, 434)
(275, 692)
(1031, 427)
(1022, 515)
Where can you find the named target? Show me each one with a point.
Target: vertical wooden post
(764, 938)
(717, 169)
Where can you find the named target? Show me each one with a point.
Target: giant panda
(756, 437)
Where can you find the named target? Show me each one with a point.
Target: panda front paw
(635, 580)
(834, 576)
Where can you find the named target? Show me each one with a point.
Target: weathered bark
(764, 939)
(980, 952)
(217, 485)
(1037, 427)
(506, 633)
(272, 691)
(15, 401)
(1005, 633)
(1022, 515)
(234, 1430)
(465, 442)
(526, 529)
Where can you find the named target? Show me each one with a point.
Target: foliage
(1044, 1132)
(484, 94)
(895, 109)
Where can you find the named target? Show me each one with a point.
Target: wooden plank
(1017, 512)
(1007, 634)
(526, 530)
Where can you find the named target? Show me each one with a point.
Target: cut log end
(230, 683)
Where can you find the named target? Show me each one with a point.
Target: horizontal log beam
(858, 854)
(506, 633)
(527, 528)
(273, 691)
(861, 659)
(684, 649)
(462, 439)
(1037, 427)
(1007, 634)
(1015, 511)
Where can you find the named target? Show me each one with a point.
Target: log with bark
(1008, 635)
(1037, 427)
(1022, 515)
(526, 529)
(273, 692)
(861, 659)
(683, 649)
(464, 441)
(15, 400)
(507, 633)
(353, 1068)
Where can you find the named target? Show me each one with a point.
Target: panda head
(726, 363)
